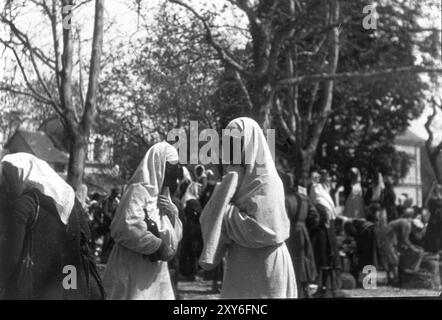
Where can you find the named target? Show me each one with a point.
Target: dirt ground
(200, 289)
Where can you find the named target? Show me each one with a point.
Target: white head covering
(192, 192)
(81, 194)
(260, 191)
(319, 194)
(151, 170)
(36, 173)
(186, 175)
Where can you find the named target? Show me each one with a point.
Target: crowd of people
(372, 229)
(255, 233)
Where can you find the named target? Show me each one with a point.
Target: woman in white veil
(255, 223)
(132, 272)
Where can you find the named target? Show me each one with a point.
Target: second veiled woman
(255, 223)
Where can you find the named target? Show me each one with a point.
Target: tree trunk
(303, 163)
(77, 158)
(433, 156)
(263, 103)
(80, 133)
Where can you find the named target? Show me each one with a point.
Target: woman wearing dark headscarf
(255, 222)
(137, 268)
(48, 253)
(299, 209)
(191, 245)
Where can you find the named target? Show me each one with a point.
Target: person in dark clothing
(175, 263)
(323, 238)
(364, 234)
(432, 241)
(299, 209)
(389, 200)
(96, 212)
(192, 242)
(110, 205)
(47, 236)
(216, 274)
(208, 190)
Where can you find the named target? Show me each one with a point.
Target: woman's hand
(167, 207)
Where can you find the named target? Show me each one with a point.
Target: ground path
(200, 289)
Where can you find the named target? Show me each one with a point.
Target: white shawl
(261, 220)
(319, 195)
(36, 173)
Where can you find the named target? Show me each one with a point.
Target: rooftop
(41, 146)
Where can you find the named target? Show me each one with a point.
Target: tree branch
(222, 52)
(243, 87)
(358, 75)
(90, 108)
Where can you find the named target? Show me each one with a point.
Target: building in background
(100, 174)
(411, 185)
(40, 145)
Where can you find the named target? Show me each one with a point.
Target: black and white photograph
(227, 150)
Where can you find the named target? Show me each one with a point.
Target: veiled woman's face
(173, 173)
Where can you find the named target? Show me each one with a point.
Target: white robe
(130, 275)
(255, 223)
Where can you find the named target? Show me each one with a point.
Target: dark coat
(192, 242)
(299, 208)
(324, 242)
(366, 244)
(55, 246)
(432, 241)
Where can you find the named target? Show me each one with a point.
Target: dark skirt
(302, 255)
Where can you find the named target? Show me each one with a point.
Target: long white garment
(354, 205)
(319, 194)
(258, 264)
(129, 274)
(36, 173)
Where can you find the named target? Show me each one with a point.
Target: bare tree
(433, 151)
(57, 89)
(270, 83)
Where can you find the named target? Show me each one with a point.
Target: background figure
(299, 209)
(432, 241)
(110, 205)
(375, 191)
(323, 237)
(206, 193)
(97, 226)
(81, 194)
(404, 256)
(389, 199)
(216, 274)
(354, 204)
(176, 195)
(365, 235)
(191, 244)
